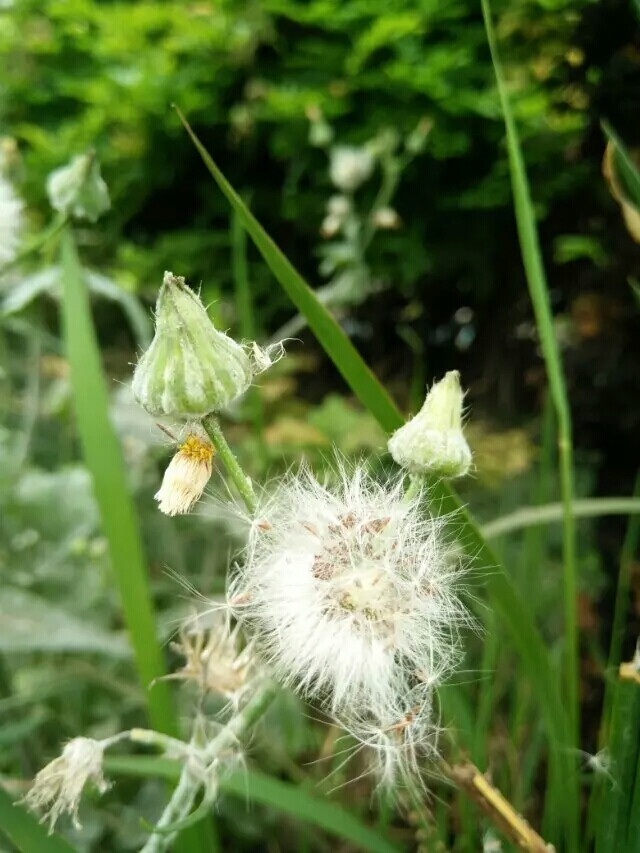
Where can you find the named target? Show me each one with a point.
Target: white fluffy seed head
(350, 593)
(58, 787)
(11, 209)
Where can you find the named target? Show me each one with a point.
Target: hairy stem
(241, 481)
(186, 791)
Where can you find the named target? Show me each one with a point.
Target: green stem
(241, 481)
(52, 230)
(186, 791)
(532, 516)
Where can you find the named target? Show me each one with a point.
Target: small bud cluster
(349, 592)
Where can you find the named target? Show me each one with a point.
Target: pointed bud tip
(433, 442)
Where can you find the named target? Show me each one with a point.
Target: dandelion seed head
(350, 593)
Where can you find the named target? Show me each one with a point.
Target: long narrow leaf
(513, 612)
(539, 294)
(254, 786)
(103, 458)
(23, 829)
(345, 356)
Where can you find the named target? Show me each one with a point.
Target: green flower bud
(432, 442)
(190, 369)
(78, 189)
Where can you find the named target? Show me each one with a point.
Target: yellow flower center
(197, 449)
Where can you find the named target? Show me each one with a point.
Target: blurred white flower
(386, 218)
(350, 594)
(58, 787)
(11, 222)
(350, 167)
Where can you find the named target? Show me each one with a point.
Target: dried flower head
(433, 442)
(349, 592)
(186, 476)
(349, 167)
(10, 221)
(58, 787)
(215, 659)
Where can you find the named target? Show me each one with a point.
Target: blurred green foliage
(82, 74)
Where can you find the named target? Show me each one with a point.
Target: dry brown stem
(497, 808)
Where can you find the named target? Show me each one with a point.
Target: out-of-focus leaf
(49, 281)
(623, 177)
(283, 796)
(24, 830)
(30, 624)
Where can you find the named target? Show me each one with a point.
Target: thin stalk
(539, 293)
(244, 302)
(55, 227)
(533, 516)
(188, 786)
(103, 458)
(242, 483)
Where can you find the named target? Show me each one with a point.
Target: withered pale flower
(57, 788)
(186, 476)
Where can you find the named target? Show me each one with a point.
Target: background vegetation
(446, 289)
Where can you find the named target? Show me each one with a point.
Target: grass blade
(532, 516)
(513, 612)
(103, 458)
(627, 169)
(624, 743)
(539, 293)
(356, 373)
(260, 788)
(24, 830)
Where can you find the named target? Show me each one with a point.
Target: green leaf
(25, 832)
(513, 612)
(260, 788)
(103, 458)
(624, 746)
(626, 170)
(29, 624)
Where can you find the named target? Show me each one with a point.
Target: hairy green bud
(78, 189)
(190, 369)
(432, 442)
